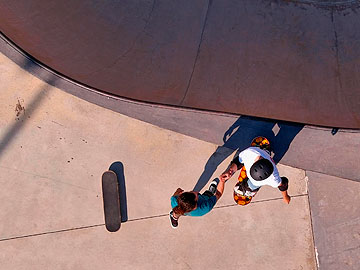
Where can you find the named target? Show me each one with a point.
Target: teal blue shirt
(204, 205)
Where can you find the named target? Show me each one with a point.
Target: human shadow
(118, 168)
(239, 136)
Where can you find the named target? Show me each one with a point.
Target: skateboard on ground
(241, 196)
(110, 189)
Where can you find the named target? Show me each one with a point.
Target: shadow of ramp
(118, 168)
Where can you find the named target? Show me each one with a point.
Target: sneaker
(213, 187)
(173, 221)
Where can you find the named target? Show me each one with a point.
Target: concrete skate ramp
(288, 60)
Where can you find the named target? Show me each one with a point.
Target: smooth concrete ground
(336, 220)
(54, 148)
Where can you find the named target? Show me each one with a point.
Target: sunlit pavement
(54, 148)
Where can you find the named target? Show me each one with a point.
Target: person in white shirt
(261, 170)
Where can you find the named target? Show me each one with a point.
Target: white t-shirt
(248, 157)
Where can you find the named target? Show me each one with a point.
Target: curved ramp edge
(292, 61)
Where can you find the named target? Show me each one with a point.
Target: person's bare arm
(229, 172)
(233, 167)
(220, 187)
(283, 187)
(286, 196)
(178, 191)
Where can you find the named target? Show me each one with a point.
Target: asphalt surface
(286, 60)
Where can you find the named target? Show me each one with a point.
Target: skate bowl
(287, 60)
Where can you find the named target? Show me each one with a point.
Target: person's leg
(173, 221)
(244, 194)
(283, 188)
(208, 193)
(212, 188)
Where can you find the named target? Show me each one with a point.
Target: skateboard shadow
(239, 136)
(118, 168)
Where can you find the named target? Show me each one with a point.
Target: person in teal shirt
(192, 203)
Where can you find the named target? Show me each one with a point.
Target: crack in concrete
(323, 173)
(48, 178)
(316, 254)
(340, 96)
(133, 44)
(197, 53)
(130, 220)
(335, 5)
(138, 36)
(260, 201)
(50, 232)
(338, 70)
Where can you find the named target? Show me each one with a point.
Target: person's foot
(213, 186)
(173, 221)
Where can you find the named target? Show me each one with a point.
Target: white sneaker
(213, 186)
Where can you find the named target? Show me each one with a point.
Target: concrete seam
(197, 53)
(130, 220)
(216, 207)
(327, 4)
(132, 46)
(148, 217)
(312, 226)
(259, 201)
(349, 179)
(47, 178)
(51, 232)
(336, 41)
(340, 96)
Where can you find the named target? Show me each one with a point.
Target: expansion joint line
(340, 96)
(197, 53)
(50, 232)
(312, 225)
(338, 71)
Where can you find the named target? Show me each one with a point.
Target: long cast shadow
(118, 168)
(32, 106)
(239, 136)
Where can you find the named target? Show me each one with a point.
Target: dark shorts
(207, 193)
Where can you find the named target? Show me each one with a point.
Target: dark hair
(186, 203)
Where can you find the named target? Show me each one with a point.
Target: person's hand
(232, 169)
(178, 191)
(287, 199)
(224, 177)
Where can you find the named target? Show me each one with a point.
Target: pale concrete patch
(52, 158)
(55, 154)
(336, 220)
(264, 235)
